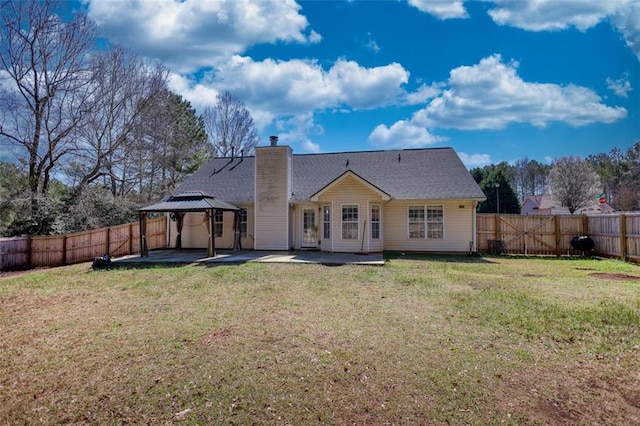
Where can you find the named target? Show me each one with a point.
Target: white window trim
(324, 222)
(379, 221)
(342, 222)
(215, 223)
(426, 223)
(246, 223)
(409, 206)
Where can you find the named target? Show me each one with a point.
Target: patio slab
(303, 256)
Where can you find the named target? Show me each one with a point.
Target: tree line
(573, 181)
(94, 127)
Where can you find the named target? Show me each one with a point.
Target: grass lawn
(494, 340)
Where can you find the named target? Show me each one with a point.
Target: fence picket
(58, 250)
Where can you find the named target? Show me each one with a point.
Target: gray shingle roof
(431, 173)
(189, 202)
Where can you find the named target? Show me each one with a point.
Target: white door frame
(309, 243)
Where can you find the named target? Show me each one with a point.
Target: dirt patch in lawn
(583, 393)
(611, 276)
(218, 336)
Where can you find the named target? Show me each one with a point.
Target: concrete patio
(189, 256)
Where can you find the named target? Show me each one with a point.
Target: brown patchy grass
(423, 340)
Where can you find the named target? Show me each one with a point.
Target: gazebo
(190, 202)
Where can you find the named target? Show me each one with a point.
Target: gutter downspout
(475, 226)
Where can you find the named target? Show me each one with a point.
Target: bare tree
(42, 85)
(123, 88)
(229, 126)
(529, 177)
(574, 183)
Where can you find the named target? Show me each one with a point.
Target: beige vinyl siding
(350, 191)
(196, 235)
(272, 191)
(458, 226)
(194, 231)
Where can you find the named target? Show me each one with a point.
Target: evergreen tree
(494, 182)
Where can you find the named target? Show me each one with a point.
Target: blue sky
(496, 80)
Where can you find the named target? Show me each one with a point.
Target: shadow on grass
(142, 265)
(473, 258)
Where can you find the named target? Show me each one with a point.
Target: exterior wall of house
(194, 231)
(272, 195)
(196, 235)
(528, 207)
(350, 191)
(458, 226)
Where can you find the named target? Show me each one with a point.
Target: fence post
(556, 224)
(130, 238)
(29, 264)
(108, 242)
(498, 234)
(64, 249)
(623, 236)
(585, 224)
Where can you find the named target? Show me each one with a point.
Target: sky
(496, 80)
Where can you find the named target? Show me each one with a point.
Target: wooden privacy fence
(614, 235)
(58, 250)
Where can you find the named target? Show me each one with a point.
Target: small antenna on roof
(399, 158)
(347, 165)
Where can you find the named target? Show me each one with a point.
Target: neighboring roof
(544, 203)
(430, 173)
(192, 201)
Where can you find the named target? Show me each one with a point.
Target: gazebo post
(189, 202)
(237, 218)
(143, 234)
(179, 226)
(211, 247)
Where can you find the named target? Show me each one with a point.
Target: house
(548, 205)
(411, 200)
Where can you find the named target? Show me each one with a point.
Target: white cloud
(402, 134)
(371, 44)
(296, 129)
(302, 86)
(363, 88)
(474, 160)
(553, 15)
(491, 95)
(423, 94)
(311, 147)
(198, 94)
(188, 35)
(549, 15)
(441, 9)
(621, 86)
(279, 90)
(627, 21)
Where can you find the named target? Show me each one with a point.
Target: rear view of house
(410, 200)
